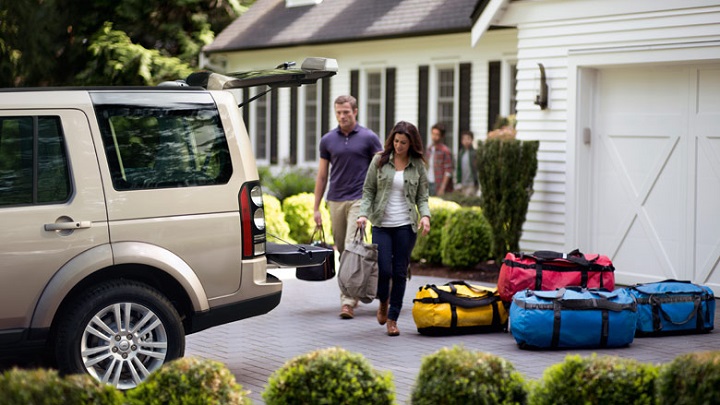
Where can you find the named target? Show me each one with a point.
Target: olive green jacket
(378, 183)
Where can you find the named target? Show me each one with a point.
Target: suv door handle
(64, 226)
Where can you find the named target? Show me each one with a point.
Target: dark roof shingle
(269, 24)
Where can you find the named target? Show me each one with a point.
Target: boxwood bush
(290, 181)
(189, 380)
(466, 238)
(329, 376)
(692, 378)
(596, 380)
(300, 218)
(275, 224)
(47, 387)
(427, 248)
(461, 376)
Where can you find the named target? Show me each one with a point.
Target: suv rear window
(33, 161)
(162, 140)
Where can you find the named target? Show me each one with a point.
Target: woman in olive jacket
(395, 189)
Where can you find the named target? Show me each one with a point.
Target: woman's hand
(361, 222)
(425, 225)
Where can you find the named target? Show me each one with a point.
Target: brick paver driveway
(307, 319)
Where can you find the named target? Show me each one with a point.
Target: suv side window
(33, 161)
(156, 146)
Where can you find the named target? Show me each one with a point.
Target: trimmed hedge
(275, 223)
(189, 380)
(329, 376)
(466, 238)
(692, 378)
(300, 218)
(596, 380)
(461, 376)
(428, 248)
(47, 387)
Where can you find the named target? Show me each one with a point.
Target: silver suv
(132, 217)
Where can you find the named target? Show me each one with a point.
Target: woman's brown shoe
(382, 312)
(392, 328)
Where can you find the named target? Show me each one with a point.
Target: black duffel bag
(320, 272)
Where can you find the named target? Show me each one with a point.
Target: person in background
(395, 189)
(345, 152)
(440, 171)
(466, 176)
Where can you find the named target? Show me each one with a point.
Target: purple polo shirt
(349, 158)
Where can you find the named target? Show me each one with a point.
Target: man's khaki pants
(343, 215)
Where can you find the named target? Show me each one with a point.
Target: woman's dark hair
(416, 146)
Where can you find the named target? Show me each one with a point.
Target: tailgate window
(165, 143)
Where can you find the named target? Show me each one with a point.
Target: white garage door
(655, 178)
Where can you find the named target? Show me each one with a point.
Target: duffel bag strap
(444, 296)
(658, 310)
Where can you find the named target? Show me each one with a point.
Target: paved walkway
(307, 319)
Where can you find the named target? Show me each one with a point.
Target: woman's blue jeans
(394, 247)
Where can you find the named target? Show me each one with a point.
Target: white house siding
(559, 34)
(404, 54)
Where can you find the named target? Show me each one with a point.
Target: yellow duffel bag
(458, 308)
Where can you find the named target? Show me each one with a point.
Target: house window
(261, 130)
(374, 103)
(446, 103)
(513, 88)
(311, 127)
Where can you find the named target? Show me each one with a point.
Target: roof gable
(269, 24)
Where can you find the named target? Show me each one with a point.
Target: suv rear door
(51, 206)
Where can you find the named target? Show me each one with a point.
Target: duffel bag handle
(575, 256)
(444, 296)
(696, 305)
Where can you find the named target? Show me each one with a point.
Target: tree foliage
(74, 42)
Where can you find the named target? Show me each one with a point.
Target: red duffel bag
(548, 271)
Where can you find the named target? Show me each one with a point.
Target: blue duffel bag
(573, 318)
(673, 307)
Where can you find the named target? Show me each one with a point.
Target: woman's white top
(396, 211)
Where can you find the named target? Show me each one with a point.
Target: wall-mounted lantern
(541, 98)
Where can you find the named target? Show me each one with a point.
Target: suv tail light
(252, 217)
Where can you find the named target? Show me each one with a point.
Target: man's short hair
(347, 99)
(440, 127)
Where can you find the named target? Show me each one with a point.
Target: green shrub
(329, 376)
(47, 387)
(462, 199)
(461, 376)
(506, 169)
(466, 238)
(275, 224)
(692, 378)
(189, 381)
(427, 248)
(289, 182)
(300, 218)
(596, 380)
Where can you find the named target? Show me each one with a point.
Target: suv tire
(119, 332)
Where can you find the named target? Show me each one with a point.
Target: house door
(655, 172)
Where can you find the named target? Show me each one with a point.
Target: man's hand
(318, 218)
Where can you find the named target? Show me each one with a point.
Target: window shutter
(464, 96)
(423, 77)
(273, 127)
(493, 93)
(326, 105)
(389, 99)
(293, 125)
(355, 86)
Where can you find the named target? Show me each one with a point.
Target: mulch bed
(485, 271)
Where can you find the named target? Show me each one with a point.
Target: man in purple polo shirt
(347, 151)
